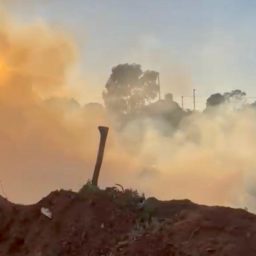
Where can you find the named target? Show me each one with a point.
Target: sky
(201, 44)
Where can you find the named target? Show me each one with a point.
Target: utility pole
(182, 102)
(194, 99)
(158, 79)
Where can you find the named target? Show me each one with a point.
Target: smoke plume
(48, 140)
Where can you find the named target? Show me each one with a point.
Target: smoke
(40, 142)
(209, 159)
(48, 140)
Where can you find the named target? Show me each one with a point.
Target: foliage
(88, 187)
(235, 99)
(125, 198)
(215, 100)
(129, 89)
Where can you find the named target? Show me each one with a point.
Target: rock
(46, 212)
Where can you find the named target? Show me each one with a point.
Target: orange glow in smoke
(4, 70)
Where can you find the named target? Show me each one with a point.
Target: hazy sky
(204, 44)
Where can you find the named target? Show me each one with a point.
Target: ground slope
(111, 222)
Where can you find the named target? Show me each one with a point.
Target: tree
(129, 89)
(215, 100)
(235, 99)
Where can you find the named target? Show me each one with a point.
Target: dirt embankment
(111, 223)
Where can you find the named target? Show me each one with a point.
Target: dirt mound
(111, 222)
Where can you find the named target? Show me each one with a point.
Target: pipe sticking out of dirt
(103, 137)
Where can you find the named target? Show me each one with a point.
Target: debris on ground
(46, 212)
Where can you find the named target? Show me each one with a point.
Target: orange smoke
(4, 71)
(48, 141)
(39, 143)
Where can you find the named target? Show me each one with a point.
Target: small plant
(88, 187)
(129, 198)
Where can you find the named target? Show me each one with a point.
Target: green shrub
(88, 188)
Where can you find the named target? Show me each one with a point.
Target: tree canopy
(235, 97)
(215, 100)
(129, 89)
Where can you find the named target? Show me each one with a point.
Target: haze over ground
(65, 49)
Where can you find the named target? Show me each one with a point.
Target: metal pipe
(103, 137)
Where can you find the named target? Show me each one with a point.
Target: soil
(111, 222)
